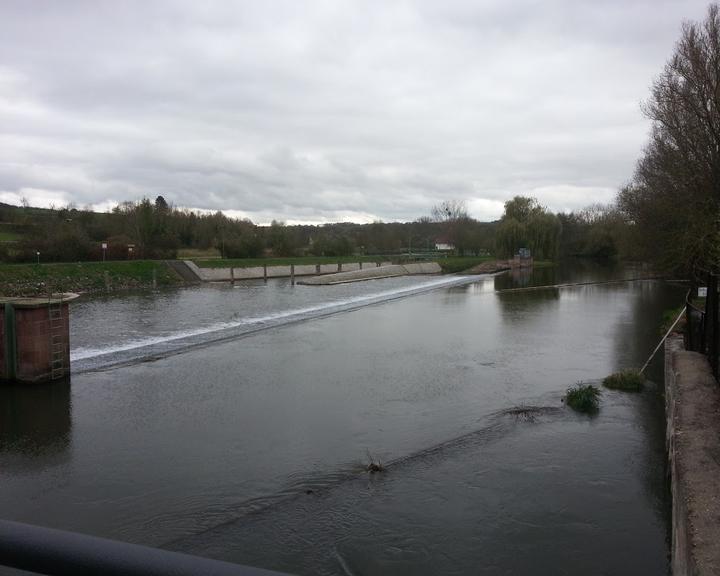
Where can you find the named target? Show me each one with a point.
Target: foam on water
(138, 350)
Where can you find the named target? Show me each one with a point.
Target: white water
(137, 349)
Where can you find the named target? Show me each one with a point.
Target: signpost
(104, 248)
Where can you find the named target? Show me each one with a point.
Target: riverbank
(84, 277)
(111, 276)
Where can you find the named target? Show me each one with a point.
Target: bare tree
(450, 211)
(673, 199)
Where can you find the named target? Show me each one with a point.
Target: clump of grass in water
(583, 397)
(630, 380)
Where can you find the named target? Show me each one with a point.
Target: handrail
(58, 553)
(689, 303)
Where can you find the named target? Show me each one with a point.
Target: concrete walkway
(692, 399)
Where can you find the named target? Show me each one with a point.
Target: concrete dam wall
(259, 272)
(374, 273)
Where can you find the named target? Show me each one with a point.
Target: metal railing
(59, 553)
(703, 324)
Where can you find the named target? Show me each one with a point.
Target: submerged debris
(528, 413)
(373, 465)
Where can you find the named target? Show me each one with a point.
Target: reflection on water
(35, 419)
(252, 449)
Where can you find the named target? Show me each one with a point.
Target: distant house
(443, 244)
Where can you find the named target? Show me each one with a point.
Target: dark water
(251, 448)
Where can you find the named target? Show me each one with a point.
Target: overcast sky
(331, 110)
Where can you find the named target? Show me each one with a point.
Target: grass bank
(39, 279)
(455, 264)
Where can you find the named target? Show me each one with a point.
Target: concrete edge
(195, 269)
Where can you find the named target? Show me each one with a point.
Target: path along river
(235, 422)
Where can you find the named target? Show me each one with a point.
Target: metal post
(292, 274)
(232, 275)
(10, 343)
(713, 320)
(265, 272)
(689, 324)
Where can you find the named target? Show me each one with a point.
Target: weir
(84, 360)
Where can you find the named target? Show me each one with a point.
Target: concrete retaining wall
(256, 272)
(692, 402)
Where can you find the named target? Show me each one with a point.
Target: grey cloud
(309, 111)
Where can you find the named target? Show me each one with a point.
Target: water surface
(251, 447)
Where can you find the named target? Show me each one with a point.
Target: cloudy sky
(329, 110)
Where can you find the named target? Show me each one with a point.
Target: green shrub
(583, 397)
(631, 380)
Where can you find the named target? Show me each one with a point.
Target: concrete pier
(35, 338)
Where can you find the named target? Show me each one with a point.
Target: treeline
(153, 230)
(673, 199)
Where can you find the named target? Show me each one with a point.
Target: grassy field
(198, 253)
(29, 279)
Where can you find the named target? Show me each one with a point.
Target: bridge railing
(58, 553)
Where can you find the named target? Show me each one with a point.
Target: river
(236, 422)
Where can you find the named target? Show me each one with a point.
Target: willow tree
(673, 200)
(526, 224)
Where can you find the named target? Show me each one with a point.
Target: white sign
(702, 292)
(104, 245)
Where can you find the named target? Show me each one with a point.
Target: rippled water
(240, 420)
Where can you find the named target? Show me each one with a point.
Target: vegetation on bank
(456, 264)
(41, 279)
(583, 398)
(669, 317)
(628, 380)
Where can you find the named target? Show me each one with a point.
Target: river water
(236, 422)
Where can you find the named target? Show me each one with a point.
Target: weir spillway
(143, 349)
